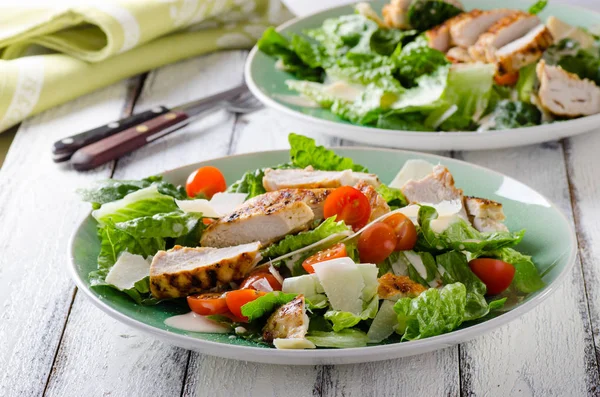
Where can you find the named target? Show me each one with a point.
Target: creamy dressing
(344, 91)
(297, 101)
(195, 323)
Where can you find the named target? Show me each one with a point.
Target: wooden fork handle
(126, 141)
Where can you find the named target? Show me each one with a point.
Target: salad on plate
(315, 252)
(430, 65)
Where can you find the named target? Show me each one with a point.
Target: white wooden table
(54, 342)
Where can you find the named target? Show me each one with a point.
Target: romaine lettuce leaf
(114, 241)
(432, 313)
(346, 338)
(417, 59)
(515, 114)
(425, 14)
(526, 83)
(305, 152)
(341, 320)
(461, 236)
(538, 7)
(427, 95)
(143, 202)
(170, 224)
(109, 190)
(266, 304)
(385, 41)
(344, 34)
(365, 69)
(392, 196)
(251, 183)
(294, 242)
(406, 121)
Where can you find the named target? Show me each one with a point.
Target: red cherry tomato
(349, 205)
(376, 243)
(238, 298)
(208, 304)
(405, 231)
(273, 282)
(205, 181)
(495, 274)
(337, 251)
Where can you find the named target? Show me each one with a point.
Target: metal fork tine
(243, 103)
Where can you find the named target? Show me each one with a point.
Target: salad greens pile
(142, 218)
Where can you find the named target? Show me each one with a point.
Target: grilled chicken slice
(466, 28)
(438, 37)
(182, 271)
(288, 326)
(267, 218)
(524, 51)
(506, 30)
(485, 215)
(562, 30)
(308, 178)
(367, 11)
(434, 188)
(392, 287)
(394, 14)
(379, 206)
(565, 94)
(459, 55)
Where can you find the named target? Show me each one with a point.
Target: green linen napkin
(51, 54)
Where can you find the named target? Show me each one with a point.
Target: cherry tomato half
(334, 252)
(376, 243)
(273, 282)
(405, 231)
(208, 304)
(205, 181)
(349, 205)
(495, 274)
(507, 79)
(238, 298)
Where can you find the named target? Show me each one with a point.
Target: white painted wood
(120, 360)
(548, 351)
(38, 213)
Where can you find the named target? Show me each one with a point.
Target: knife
(64, 149)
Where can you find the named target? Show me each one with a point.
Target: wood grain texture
(549, 351)
(121, 360)
(35, 290)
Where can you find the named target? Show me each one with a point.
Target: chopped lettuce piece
(385, 41)
(305, 152)
(426, 95)
(384, 323)
(341, 320)
(294, 242)
(392, 196)
(526, 83)
(425, 14)
(538, 7)
(515, 114)
(170, 224)
(417, 59)
(432, 313)
(403, 122)
(461, 236)
(251, 183)
(113, 242)
(266, 304)
(346, 338)
(344, 34)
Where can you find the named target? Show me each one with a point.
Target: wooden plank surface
(38, 213)
(522, 358)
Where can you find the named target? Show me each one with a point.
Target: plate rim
(331, 356)
(572, 124)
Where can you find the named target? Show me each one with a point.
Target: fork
(117, 145)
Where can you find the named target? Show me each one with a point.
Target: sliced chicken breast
(524, 51)
(565, 94)
(562, 30)
(309, 178)
(379, 206)
(466, 28)
(485, 215)
(394, 14)
(459, 55)
(288, 322)
(506, 30)
(267, 218)
(433, 189)
(392, 287)
(439, 37)
(182, 271)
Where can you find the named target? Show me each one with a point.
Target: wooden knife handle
(64, 148)
(119, 144)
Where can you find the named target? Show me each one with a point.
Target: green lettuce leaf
(170, 224)
(515, 114)
(294, 242)
(461, 236)
(346, 338)
(425, 14)
(385, 41)
(432, 313)
(109, 190)
(403, 122)
(417, 59)
(526, 83)
(527, 278)
(144, 202)
(426, 96)
(365, 69)
(341, 320)
(251, 183)
(569, 55)
(305, 152)
(538, 7)
(266, 304)
(114, 241)
(392, 196)
(344, 34)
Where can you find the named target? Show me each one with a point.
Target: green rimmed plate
(267, 83)
(550, 239)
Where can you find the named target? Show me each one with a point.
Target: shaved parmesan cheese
(344, 91)
(275, 273)
(412, 170)
(369, 272)
(384, 323)
(220, 205)
(293, 343)
(442, 223)
(343, 284)
(417, 263)
(262, 285)
(128, 270)
(411, 212)
(305, 285)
